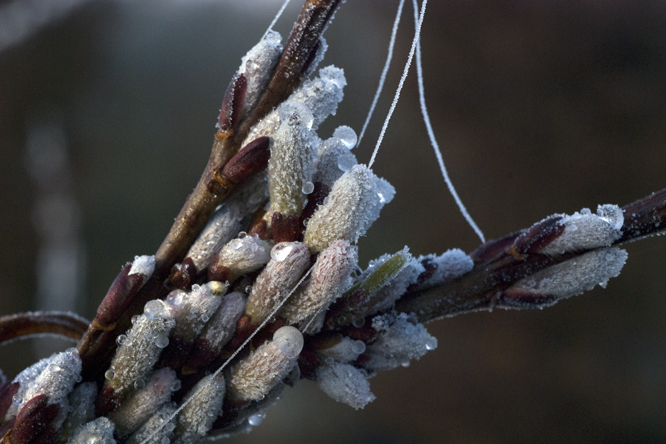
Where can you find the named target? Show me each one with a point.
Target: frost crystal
(329, 278)
(345, 383)
(291, 164)
(585, 230)
(399, 341)
(450, 265)
(576, 275)
(144, 265)
(99, 431)
(258, 66)
(350, 209)
(223, 226)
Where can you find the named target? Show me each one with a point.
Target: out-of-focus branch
(497, 266)
(58, 323)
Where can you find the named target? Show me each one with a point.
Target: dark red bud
(260, 228)
(520, 298)
(311, 57)
(183, 274)
(118, 298)
(251, 159)
(285, 228)
(308, 362)
(233, 103)
(244, 328)
(315, 199)
(176, 352)
(430, 268)
(220, 273)
(537, 237)
(107, 401)
(494, 248)
(33, 418)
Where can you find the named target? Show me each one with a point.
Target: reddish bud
(494, 248)
(261, 229)
(251, 159)
(233, 103)
(520, 298)
(220, 273)
(183, 274)
(315, 199)
(537, 237)
(33, 418)
(285, 228)
(120, 295)
(7, 392)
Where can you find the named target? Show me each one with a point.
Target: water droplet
(205, 317)
(176, 385)
(273, 38)
(345, 163)
(242, 235)
(255, 420)
(289, 340)
(154, 309)
(281, 251)
(79, 378)
(431, 344)
(55, 368)
(236, 244)
(121, 339)
(162, 341)
(405, 363)
(139, 384)
(307, 188)
(17, 399)
(346, 135)
(358, 322)
(109, 375)
(358, 347)
(248, 289)
(165, 440)
(134, 319)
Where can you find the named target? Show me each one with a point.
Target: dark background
(540, 107)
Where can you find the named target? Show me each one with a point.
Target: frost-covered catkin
(243, 255)
(56, 381)
(575, 276)
(289, 260)
(192, 310)
(139, 351)
(141, 406)
(99, 431)
(81, 408)
(345, 383)
(399, 341)
(584, 230)
(329, 278)
(158, 429)
(351, 207)
(450, 265)
(291, 164)
(223, 225)
(258, 66)
(257, 374)
(199, 414)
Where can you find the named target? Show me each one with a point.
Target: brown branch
(24, 325)
(496, 268)
(98, 344)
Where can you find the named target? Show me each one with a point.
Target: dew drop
(134, 319)
(176, 385)
(165, 440)
(307, 188)
(162, 341)
(431, 344)
(139, 384)
(289, 340)
(121, 339)
(205, 317)
(109, 375)
(358, 322)
(154, 309)
(236, 244)
(345, 163)
(358, 347)
(273, 38)
(296, 114)
(255, 420)
(281, 251)
(346, 135)
(55, 368)
(17, 399)
(248, 289)
(242, 235)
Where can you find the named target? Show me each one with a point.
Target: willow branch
(57, 323)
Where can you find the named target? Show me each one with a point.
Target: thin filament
(276, 18)
(417, 35)
(382, 78)
(433, 141)
(242, 346)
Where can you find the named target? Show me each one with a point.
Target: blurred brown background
(540, 107)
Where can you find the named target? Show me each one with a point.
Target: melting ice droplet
(281, 251)
(346, 135)
(289, 340)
